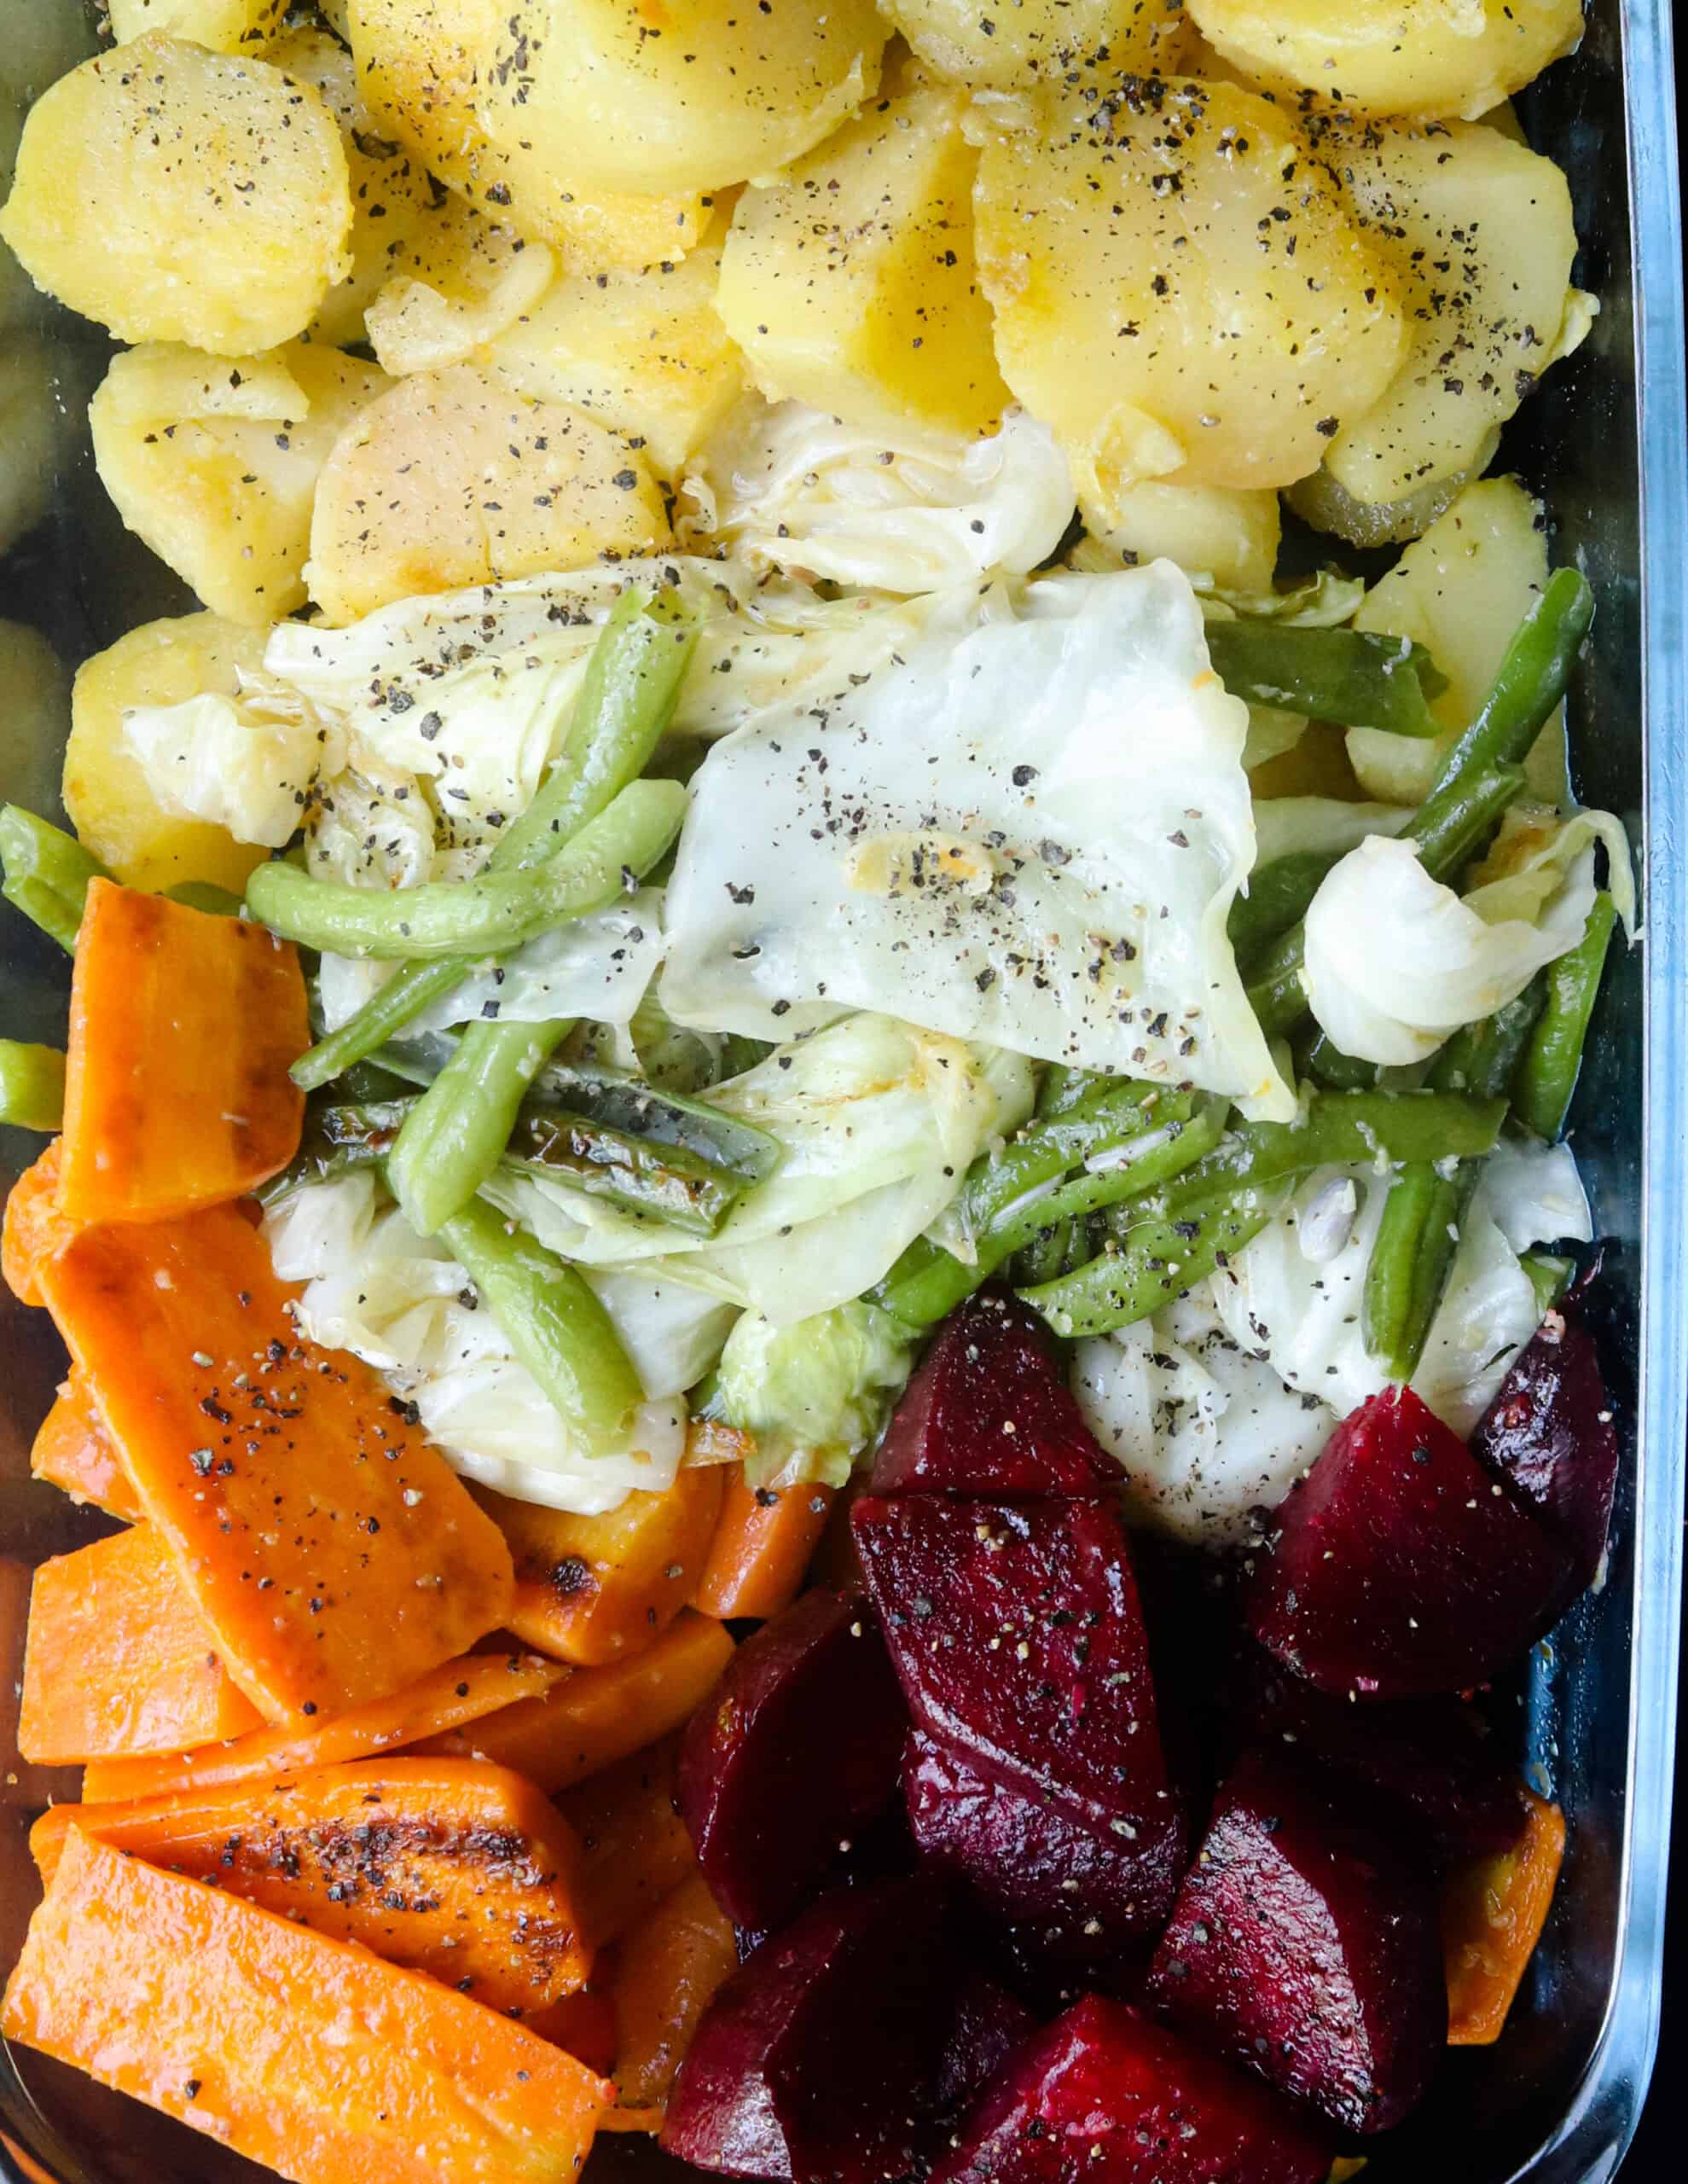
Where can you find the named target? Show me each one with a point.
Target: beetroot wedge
(988, 1414)
(798, 1748)
(1400, 1567)
(1104, 2094)
(1550, 1434)
(1063, 1892)
(1309, 1950)
(1016, 1631)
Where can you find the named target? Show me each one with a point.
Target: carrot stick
(667, 1977)
(118, 1660)
(634, 1850)
(307, 2055)
(1493, 1912)
(73, 1452)
(182, 1028)
(445, 1698)
(762, 1548)
(331, 1552)
(34, 1229)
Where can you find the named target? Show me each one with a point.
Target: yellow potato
(1322, 501)
(1477, 231)
(850, 283)
(459, 283)
(455, 478)
(176, 194)
(1208, 529)
(110, 802)
(224, 25)
(1429, 58)
(1006, 47)
(1177, 287)
(36, 684)
(646, 352)
(420, 65)
(675, 95)
(392, 195)
(214, 464)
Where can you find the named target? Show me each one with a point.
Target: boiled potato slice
(1229, 537)
(677, 95)
(1429, 58)
(215, 464)
(109, 800)
(462, 280)
(224, 25)
(1477, 230)
(1461, 589)
(1178, 288)
(420, 65)
(646, 352)
(1008, 47)
(455, 478)
(176, 194)
(850, 284)
(1320, 501)
(37, 683)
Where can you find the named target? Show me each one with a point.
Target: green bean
(339, 1137)
(1549, 1276)
(1529, 684)
(48, 874)
(1547, 1075)
(488, 914)
(1482, 1058)
(552, 1322)
(1327, 1065)
(665, 1183)
(1456, 822)
(639, 1110)
(32, 1085)
(1411, 1257)
(454, 1134)
(1279, 894)
(1354, 677)
(1161, 1257)
(626, 701)
(205, 895)
(1052, 1252)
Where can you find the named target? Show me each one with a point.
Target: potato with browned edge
(1007, 48)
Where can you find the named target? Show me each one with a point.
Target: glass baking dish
(1558, 2098)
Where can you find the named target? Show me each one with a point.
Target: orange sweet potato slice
(183, 1026)
(328, 1547)
(666, 1976)
(453, 1868)
(118, 1659)
(444, 1699)
(596, 1589)
(305, 2054)
(634, 1850)
(1493, 1912)
(73, 1452)
(763, 1543)
(35, 1228)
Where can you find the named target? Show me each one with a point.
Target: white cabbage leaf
(1029, 836)
(1534, 853)
(815, 1391)
(907, 510)
(1323, 826)
(247, 764)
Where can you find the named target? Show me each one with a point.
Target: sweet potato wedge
(332, 1554)
(596, 1589)
(182, 1028)
(675, 1962)
(1493, 1912)
(305, 2054)
(447, 1865)
(440, 1702)
(583, 2022)
(118, 1659)
(34, 1229)
(592, 1717)
(764, 1540)
(634, 1850)
(73, 1452)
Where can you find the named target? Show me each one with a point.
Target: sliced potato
(646, 352)
(459, 283)
(455, 478)
(176, 194)
(1178, 288)
(224, 25)
(215, 464)
(1428, 58)
(850, 283)
(109, 800)
(1477, 231)
(1320, 501)
(1209, 531)
(1006, 48)
(675, 95)
(1461, 589)
(37, 683)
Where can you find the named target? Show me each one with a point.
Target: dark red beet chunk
(797, 1749)
(1104, 2094)
(1549, 1433)
(1309, 1950)
(1016, 1631)
(1061, 1889)
(1400, 1566)
(988, 1414)
(844, 2048)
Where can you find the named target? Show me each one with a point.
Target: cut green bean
(32, 1085)
(1411, 1258)
(627, 1104)
(554, 1323)
(660, 1182)
(1547, 1074)
(625, 703)
(48, 874)
(1052, 1252)
(1356, 679)
(1456, 823)
(337, 1137)
(1327, 1065)
(205, 895)
(1483, 1060)
(487, 915)
(455, 1133)
(1162, 1256)
(1278, 895)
